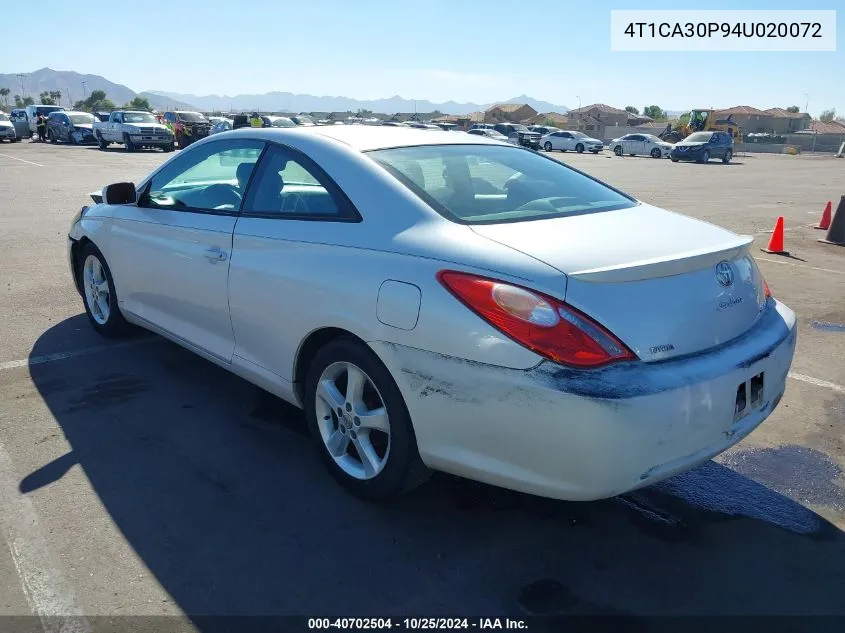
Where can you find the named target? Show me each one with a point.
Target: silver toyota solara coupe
(437, 300)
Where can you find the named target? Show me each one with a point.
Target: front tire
(579, 148)
(98, 294)
(655, 153)
(728, 155)
(705, 157)
(360, 424)
(127, 143)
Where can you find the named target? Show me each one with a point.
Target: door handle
(214, 255)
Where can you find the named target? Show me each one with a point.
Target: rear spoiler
(667, 266)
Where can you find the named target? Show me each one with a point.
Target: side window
(289, 185)
(212, 177)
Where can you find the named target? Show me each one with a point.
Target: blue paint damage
(827, 326)
(637, 378)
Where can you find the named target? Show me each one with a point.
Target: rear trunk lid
(667, 285)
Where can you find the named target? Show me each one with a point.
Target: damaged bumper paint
(583, 435)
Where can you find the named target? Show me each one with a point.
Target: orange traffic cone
(824, 223)
(776, 243)
(836, 232)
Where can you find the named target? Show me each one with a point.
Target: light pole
(84, 92)
(807, 102)
(23, 90)
(579, 101)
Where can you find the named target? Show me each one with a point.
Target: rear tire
(547, 146)
(330, 408)
(101, 143)
(618, 150)
(98, 294)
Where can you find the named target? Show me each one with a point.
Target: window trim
(147, 184)
(349, 212)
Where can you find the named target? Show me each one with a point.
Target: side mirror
(119, 193)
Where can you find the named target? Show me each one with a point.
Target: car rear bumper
(584, 435)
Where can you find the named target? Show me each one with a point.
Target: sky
(462, 50)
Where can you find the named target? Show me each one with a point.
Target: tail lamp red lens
(541, 323)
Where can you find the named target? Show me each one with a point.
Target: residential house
(554, 119)
(509, 112)
(771, 121)
(635, 120)
(596, 120)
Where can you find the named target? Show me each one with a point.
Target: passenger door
(170, 252)
(282, 259)
(565, 142)
(636, 145)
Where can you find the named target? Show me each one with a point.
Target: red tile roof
(747, 110)
(781, 113)
(822, 127)
(601, 107)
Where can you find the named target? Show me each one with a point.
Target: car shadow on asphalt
(216, 487)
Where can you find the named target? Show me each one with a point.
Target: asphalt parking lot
(138, 479)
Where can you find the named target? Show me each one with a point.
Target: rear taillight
(541, 323)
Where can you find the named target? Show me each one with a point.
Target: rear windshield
(490, 184)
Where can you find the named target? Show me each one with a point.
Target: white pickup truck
(134, 130)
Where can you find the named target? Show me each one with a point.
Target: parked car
(76, 128)
(543, 350)
(702, 146)
(134, 129)
(519, 134)
(488, 134)
(278, 121)
(566, 140)
(32, 112)
(222, 126)
(187, 126)
(7, 129)
(481, 126)
(542, 130)
(641, 145)
(20, 121)
(302, 119)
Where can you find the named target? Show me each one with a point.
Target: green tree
(632, 110)
(654, 112)
(4, 92)
(138, 103)
(793, 109)
(23, 102)
(97, 100)
(828, 115)
(46, 98)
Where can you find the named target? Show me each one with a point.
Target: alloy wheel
(97, 293)
(352, 420)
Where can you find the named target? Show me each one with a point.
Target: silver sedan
(445, 301)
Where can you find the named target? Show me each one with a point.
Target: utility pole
(23, 90)
(84, 92)
(807, 102)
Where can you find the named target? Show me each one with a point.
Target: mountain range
(290, 102)
(75, 86)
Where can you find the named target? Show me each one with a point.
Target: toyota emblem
(724, 274)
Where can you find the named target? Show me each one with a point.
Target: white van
(32, 112)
